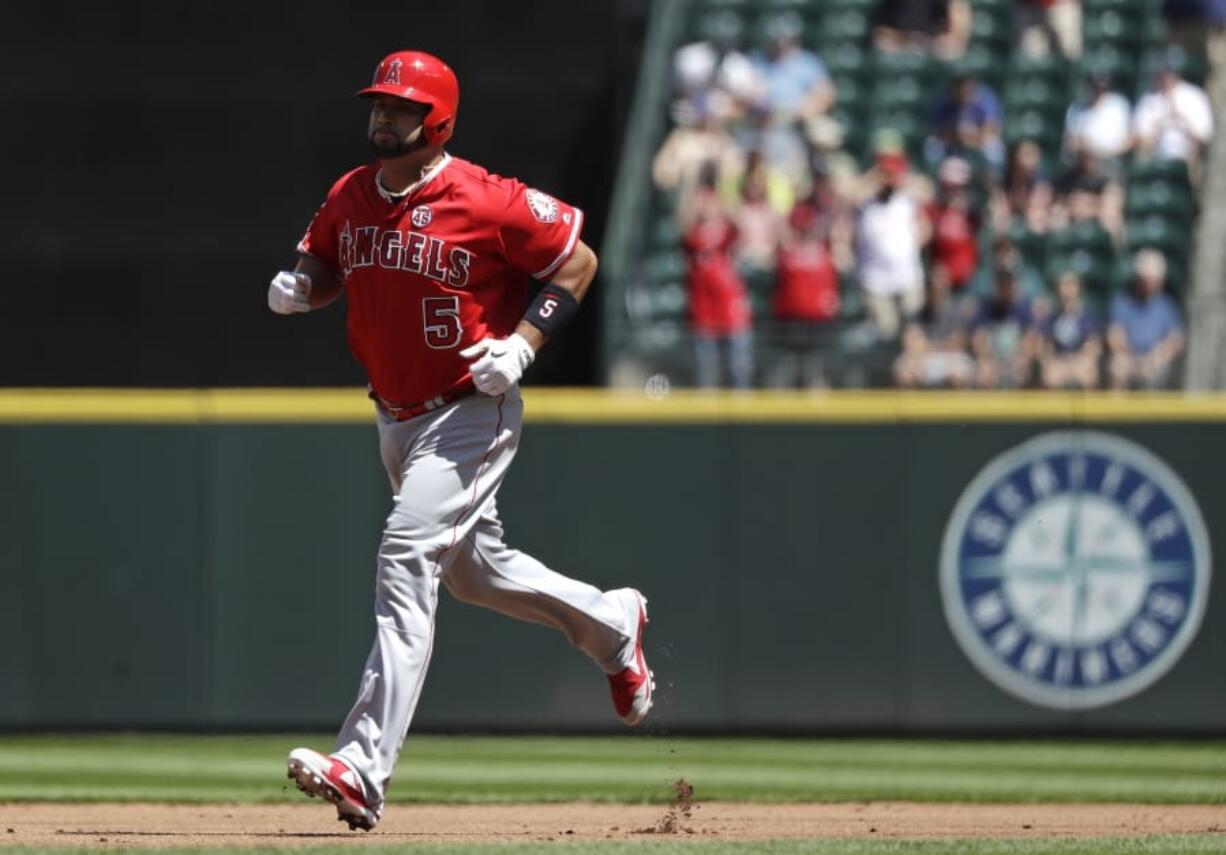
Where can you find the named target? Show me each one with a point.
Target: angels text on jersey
(401, 249)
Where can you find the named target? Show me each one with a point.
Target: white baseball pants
(445, 468)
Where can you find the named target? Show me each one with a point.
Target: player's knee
(467, 588)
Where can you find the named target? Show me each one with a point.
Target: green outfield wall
(205, 559)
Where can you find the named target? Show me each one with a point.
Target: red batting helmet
(420, 77)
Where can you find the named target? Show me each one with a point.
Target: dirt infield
(115, 826)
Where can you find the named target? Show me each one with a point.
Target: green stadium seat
(845, 24)
(1095, 271)
(1031, 245)
(1084, 237)
(983, 64)
(851, 299)
(1035, 125)
(1154, 33)
(888, 66)
(852, 91)
(990, 28)
(1160, 233)
(665, 235)
(666, 266)
(668, 302)
(740, 5)
(1121, 272)
(845, 60)
(800, 7)
(1036, 93)
(832, 6)
(1170, 199)
(714, 26)
(1111, 26)
(1153, 169)
(998, 8)
(904, 92)
(1025, 67)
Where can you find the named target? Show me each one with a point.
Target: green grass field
(141, 767)
(250, 768)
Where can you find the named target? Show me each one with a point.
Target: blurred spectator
(966, 119)
(1071, 341)
(1191, 24)
(954, 223)
(689, 149)
(760, 228)
(1146, 332)
(1026, 189)
(1098, 123)
(942, 27)
(719, 306)
(1002, 336)
(712, 75)
(1173, 121)
(778, 187)
(828, 196)
(1049, 26)
(806, 297)
(934, 346)
(1087, 191)
(1006, 256)
(796, 90)
(886, 143)
(890, 234)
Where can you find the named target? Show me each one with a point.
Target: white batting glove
(290, 293)
(502, 362)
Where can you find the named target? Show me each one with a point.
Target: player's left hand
(502, 362)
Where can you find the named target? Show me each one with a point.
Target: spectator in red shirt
(719, 304)
(955, 224)
(806, 297)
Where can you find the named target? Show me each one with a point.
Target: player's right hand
(289, 293)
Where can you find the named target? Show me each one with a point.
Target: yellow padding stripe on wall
(602, 406)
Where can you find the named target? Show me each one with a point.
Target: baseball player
(433, 254)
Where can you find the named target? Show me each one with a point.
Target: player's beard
(390, 146)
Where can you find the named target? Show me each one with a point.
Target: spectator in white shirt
(890, 236)
(1099, 123)
(1173, 121)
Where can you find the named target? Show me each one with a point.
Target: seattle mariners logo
(1075, 570)
(421, 216)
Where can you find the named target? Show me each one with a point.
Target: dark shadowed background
(161, 159)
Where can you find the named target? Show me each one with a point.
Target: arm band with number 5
(552, 309)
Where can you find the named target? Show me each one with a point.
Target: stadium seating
(1122, 38)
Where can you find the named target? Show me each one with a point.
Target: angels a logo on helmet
(393, 72)
(421, 216)
(543, 207)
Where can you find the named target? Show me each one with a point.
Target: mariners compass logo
(1075, 570)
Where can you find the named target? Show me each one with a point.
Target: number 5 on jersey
(441, 316)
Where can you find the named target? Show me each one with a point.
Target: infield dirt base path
(118, 826)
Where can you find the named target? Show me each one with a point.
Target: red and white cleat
(632, 686)
(329, 778)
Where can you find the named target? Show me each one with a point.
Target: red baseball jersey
(719, 302)
(437, 270)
